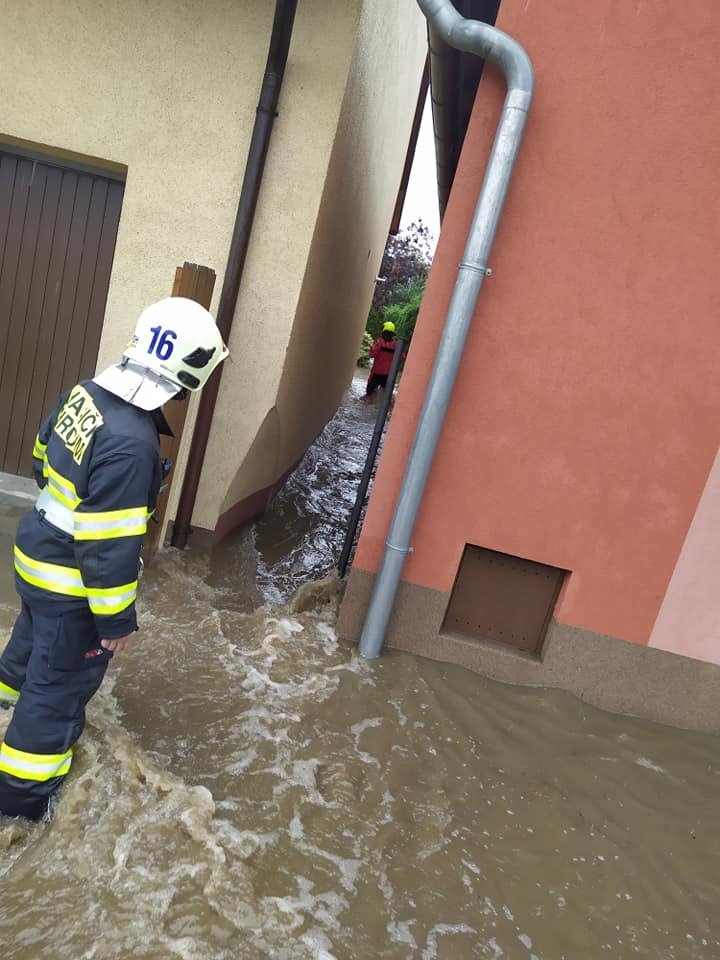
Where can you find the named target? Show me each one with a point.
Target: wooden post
(195, 283)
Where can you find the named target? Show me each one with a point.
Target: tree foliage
(407, 257)
(402, 310)
(364, 359)
(400, 286)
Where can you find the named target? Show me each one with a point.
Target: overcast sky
(421, 200)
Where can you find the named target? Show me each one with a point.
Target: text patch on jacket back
(77, 422)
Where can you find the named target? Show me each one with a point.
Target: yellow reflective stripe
(69, 575)
(59, 492)
(115, 514)
(34, 766)
(49, 576)
(39, 448)
(45, 584)
(108, 611)
(111, 523)
(105, 602)
(62, 488)
(8, 694)
(112, 591)
(137, 531)
(68, 581)
(49, 758)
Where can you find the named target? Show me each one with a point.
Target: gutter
(412, 146)
(252, 180)
(496, 47)
(454, 80)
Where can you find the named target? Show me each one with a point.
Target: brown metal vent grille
(503, 599)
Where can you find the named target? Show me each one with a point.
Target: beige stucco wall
(317, 350)
(166, 88)
(312, 94)
(169, 89)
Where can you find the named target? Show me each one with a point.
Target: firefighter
(77, 553)
(382, 352)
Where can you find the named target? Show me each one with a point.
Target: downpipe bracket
(476, 268)
(404, 550)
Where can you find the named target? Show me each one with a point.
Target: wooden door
(58, 227)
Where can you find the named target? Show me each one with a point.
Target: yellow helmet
(389, 325)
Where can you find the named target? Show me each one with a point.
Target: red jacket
(382, 352)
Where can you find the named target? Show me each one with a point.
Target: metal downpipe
(498, 48)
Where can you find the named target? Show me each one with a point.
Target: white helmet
(176, 346)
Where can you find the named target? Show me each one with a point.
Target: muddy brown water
(247, 787)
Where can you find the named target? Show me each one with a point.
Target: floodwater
(248, 788)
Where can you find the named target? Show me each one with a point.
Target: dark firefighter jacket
(98, 461)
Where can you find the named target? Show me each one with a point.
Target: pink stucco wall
(689, 618)
(585, 418)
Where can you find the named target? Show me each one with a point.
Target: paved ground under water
(248, 788)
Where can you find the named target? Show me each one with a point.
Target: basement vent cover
(498, 598)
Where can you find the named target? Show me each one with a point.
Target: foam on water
(248, 788)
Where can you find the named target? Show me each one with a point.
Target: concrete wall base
(613, 674)
(248, 508)
(237, 516)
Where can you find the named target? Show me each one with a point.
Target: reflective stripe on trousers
(45, 660)
(33, 766)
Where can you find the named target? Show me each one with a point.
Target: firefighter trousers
(51, 667)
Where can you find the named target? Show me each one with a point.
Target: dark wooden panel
(8, 166)
(56, 381)
(18, 311)
(39, 405)
(57, 239)
(101, 278)
(11, 256)
(63, 159)
(18, 449)
(77, 328)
